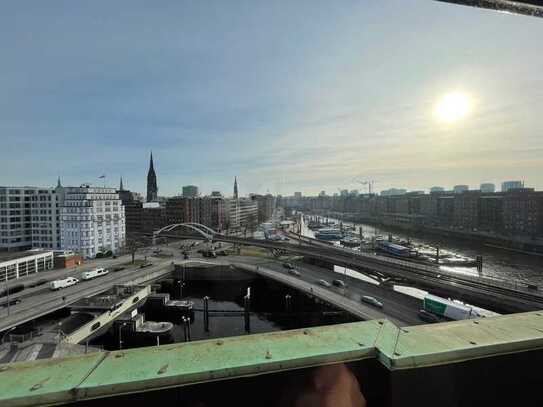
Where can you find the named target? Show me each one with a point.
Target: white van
(67, 282)
(89, 275)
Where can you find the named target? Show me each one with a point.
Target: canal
(273, 307)
(497, 263)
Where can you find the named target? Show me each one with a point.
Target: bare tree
(132, 246)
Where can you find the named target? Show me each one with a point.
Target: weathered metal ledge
(106, 374)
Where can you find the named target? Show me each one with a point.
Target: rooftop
(9, 256)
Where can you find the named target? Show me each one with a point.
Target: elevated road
(484, 292)
(399, 308)
(45, 301)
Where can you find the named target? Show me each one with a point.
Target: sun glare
(453, 107)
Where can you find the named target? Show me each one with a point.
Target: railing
(467, 357)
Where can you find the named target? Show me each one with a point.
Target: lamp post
(120, 338)
(7, 291)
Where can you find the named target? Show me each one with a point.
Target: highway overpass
(488, 293)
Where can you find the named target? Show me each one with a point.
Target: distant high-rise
(190, 191)
(236, 188)
(509, 185)
(393, 191)
(436, 189)
(458, 189)
(487, 187)
(152, 188)
(121, 188)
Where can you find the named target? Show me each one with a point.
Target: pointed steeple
(235, 187)
(59, 185)
(152, 188)
(121, 184)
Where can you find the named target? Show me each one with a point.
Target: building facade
(25, 263)
(243, 213)
(190, 191)
(92, 220)
(487, 187)
(132, 212)
(29, 218)
(266, 206)
(516, 213)
(509, 185)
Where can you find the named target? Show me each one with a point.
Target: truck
(66, 282)
(89, 275)
(448, 309)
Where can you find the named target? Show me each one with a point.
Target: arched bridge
(203, 230)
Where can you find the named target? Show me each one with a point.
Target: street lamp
(120, 338)
(7, 291)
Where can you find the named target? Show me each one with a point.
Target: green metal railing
(106, 374)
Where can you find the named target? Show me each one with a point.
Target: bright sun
(453, 107)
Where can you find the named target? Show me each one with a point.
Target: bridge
(482, 291)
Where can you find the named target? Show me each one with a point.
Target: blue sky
(288, 96)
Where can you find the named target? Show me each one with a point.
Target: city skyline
(347, 101)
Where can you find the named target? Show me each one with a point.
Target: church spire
(152, 188)
(121, 184)
(59, 185)
(235, 187)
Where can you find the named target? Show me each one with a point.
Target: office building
(242, 212)
(509, 185)
(132, 212)
(436, 189)
(393, 191)
(29, 218)
(266, 206)
(92, 220)
(487, 187)
(190, 191)
(458, 189)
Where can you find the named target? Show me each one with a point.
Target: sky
(286, 95)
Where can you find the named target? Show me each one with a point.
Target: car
(288, 266)
(66, 282)
(294, 272)
(371, 300)
(428, 316)
(339, 283)
(142, 266)
(324, 283)
(118, 268)
(11, 302)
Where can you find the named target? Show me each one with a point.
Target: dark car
(339, 283)
(11, 302)
(145, 265)
(118, 268)
(288, 266)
